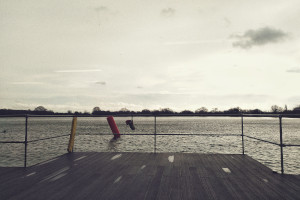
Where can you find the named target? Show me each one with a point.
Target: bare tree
(235, 110)
(40, 109)
(146, 111)
(124, 110)
(201, 110)
(276, 109)
(166, 111)
(296, 109)
(214, 110)
(186, 112)
(96, 109)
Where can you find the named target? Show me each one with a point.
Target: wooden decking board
(294, 179)
(238, 173)
(153, 187)
(10, 175)
(147, 176)
(197, 184)
(287, 194)
(244, 188)
(138, 187)
(40, 184)
(79, 178)
(244, 185)
(105, 183)
(253, 180)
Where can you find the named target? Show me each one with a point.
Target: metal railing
(281, 144)
(26, 141)
(155, 134)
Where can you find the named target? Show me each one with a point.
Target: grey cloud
(101, 9)
(168, 12)
(259, 37)
(293, 70)
(100, 83)
(78, 70)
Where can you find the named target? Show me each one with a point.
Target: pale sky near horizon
(75, 55)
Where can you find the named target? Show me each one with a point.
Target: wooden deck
(147, 176)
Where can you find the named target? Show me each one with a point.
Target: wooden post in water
(72, 135)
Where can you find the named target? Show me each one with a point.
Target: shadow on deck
(110, 175)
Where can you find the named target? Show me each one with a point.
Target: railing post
(154, 133)
(281, 144)
(243, 148)
(72, 135)
(25, 141)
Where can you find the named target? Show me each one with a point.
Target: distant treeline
(40, 110)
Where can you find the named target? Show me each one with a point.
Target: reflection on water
(112, 145)
(90, 137)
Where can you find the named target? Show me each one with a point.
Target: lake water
(90, 136)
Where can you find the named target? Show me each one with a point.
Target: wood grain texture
(110, 175)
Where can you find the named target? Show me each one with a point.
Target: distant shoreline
(228, 113)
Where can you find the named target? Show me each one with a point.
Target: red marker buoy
(113, 127)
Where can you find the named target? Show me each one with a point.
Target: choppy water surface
(90, 137)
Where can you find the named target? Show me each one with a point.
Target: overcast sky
(75, 55)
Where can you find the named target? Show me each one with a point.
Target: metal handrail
(280, 116)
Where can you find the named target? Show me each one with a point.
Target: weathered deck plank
(111, 175)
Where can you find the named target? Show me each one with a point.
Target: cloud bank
(294, 70)
(100, 83)
(259, 37)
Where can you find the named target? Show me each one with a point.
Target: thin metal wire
(291, 145)
(197, 134)
(261, 140)
(37, 140)
(162, 134)
(13, 142)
